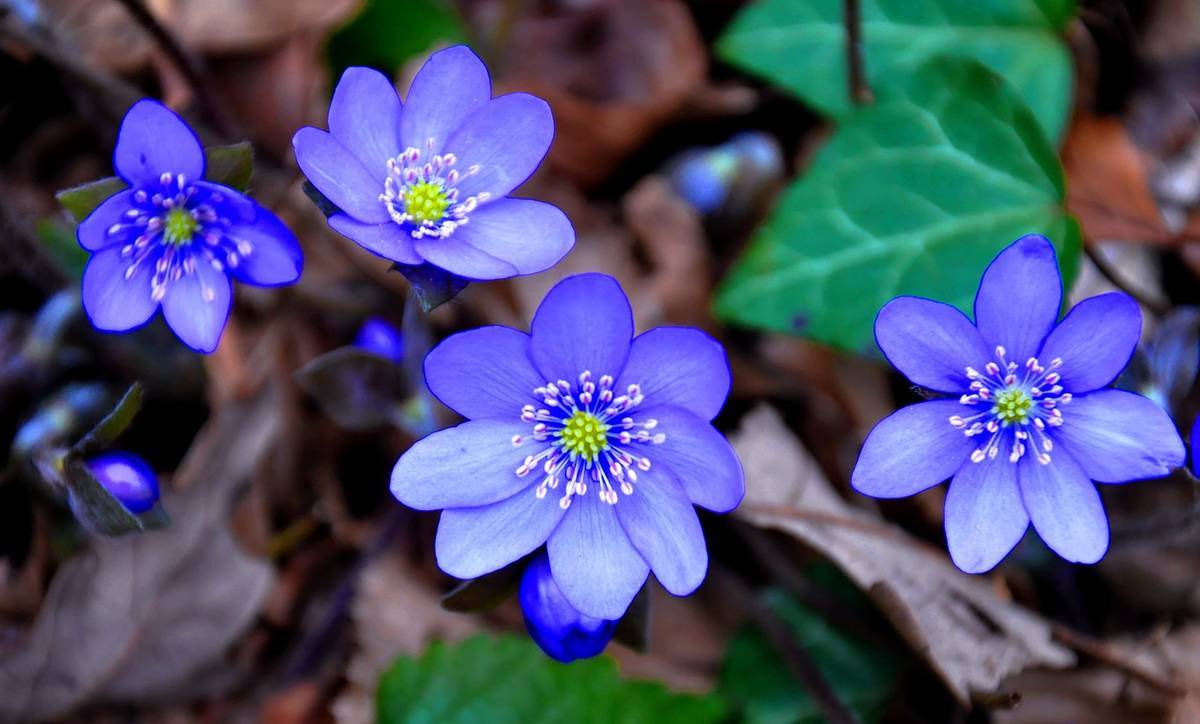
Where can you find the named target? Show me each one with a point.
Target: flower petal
(507, 138)
(1096, 340)
(197, 307)
(388, 240)
(930, 343)
(92, 232)
(364, 116)
(984, 515)
(460, 258)
(679, 366)
(1065, 507)
(584, 323)
(1116, 436)
(469, 465)
(153, 140)
(700, 458)
(530, 235)
(484, 372)
(1019, 297)
(662, 525)
(112, 302)
(474, 541)
(275, 257)
(593, 562)
(339, 175)
(910, 450)
(451, 85)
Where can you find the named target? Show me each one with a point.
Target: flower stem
(860, 91)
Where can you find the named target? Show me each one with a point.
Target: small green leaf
(387, 33)
(433, 285)
(230, 165)
(801, 45)
(507, 680)
(914, 194)
(59, 239)
(360, 390)
(82, 200)
(114, 424)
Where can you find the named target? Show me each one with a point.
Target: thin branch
(1106, 269)
(1109, 655)
(860, 92)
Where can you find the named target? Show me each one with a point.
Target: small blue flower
(376, 335)
(581, 437)
(429, 181)
(127, 477)
(1031, 425)
(173, 240)
(558, 627)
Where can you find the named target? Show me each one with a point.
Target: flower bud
(381, 338)
(558, 628)
(127, 477)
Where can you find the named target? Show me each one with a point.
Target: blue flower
(172, 239)
(1031, 424)
(376, 335)
(581, 437)
(127, 477)
(558, 627)
(428, 181)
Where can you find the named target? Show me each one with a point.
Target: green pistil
(425, 201)
(584, 435)
(179, 227)
(1012, 406)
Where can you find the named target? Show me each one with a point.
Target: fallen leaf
(971, 638)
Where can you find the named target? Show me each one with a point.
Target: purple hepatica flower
(558, 627)
(428, 182)
(173, 239)
(580, 437)
(1031, 427)
(127, 477)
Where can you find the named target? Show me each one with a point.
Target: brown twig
(1109, 655)
(860, 91)
(1106, 270)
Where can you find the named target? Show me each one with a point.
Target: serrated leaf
(914, 194)
(360, 390)
(433, 285)
(114, 424)
(81, 200)
(230, 165)
(800, 45)
(507, 680)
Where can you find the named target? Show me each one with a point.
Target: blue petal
(662, 525)
(557, 627)
(911, 450)
(379, 337)
(92, 232)
(679, 366)
(388, 240)
(469, 465)
(460, 258)
(364, 116)
(1096, 340)
(593, 562)
(112, 302)
(197, 307)
(1019, 297)
(1118, 436)
(700, 458)
(152, 141)
(275, 257)
(341, 177)
(507, 138)
(1065, 507)
(530, 235)
(584, 324)
(451, 85)
(930, 343)
(484, 372)
(984, 515)
(474, 541)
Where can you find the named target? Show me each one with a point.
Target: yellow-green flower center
(1012, 406)
(426, 201)
(179, 227)
(584, 435)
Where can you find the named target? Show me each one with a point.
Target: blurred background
(724, 160)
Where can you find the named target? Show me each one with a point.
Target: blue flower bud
(128, 478)
(381, 338)
(558, 628)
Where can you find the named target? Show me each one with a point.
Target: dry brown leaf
(972, 639)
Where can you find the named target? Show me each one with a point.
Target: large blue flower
(173, 240)
(581, 437)
(428, 181)
(1031, 425)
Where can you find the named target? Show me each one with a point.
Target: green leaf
(230, 166)
(508, 680)
(914, 194)
(82, 200)
(757, 680)
(800, 45)
(114, 424)
(433, 285)
(387, 33)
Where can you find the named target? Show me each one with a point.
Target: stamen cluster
(424, 195)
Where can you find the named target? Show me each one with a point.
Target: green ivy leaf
(507, 680)
(800, 45)
(914, 194)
